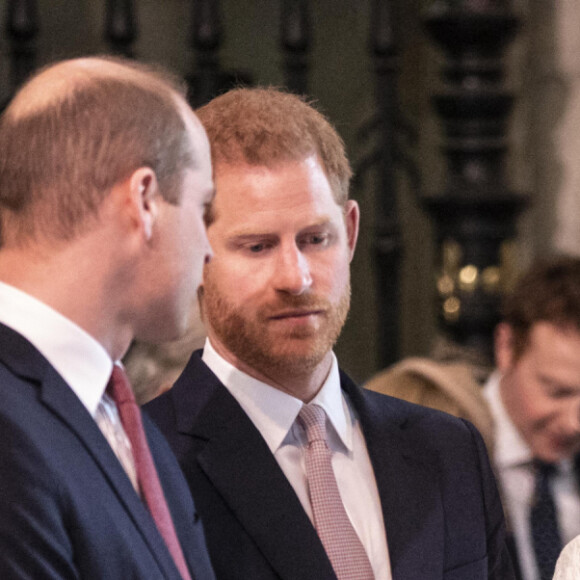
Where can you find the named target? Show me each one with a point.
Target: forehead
(287, 192)
(555, 351)
(197, 179)
(196, 132)
(546, 336)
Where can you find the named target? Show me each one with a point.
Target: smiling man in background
(534, 398)
(298, 473)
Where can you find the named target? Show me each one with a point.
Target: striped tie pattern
(340, 540)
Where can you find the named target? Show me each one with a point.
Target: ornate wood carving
(22, 27)
(475, 214)
(121, 26)
(387, 236)
(295, 41)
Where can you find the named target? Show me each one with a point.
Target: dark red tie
(119, 389)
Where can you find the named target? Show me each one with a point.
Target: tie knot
(119, 387)
(313, 419)
(544, 469)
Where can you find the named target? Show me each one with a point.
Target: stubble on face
(255, 339)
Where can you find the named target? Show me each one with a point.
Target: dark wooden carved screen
(297, 34)
(475, 214)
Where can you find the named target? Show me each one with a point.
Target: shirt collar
(510, 448)
(274, 412)
(80, 360)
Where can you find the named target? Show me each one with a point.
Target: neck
(298, 381)
(73, 287)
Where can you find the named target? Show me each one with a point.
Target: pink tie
(340, 540)
(121, 392)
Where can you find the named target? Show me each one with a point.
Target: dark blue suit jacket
(440, 503)
(67, 508)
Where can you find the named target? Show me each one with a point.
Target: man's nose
(574, 418)
(292, 271)
(570, 418)
(208, 251)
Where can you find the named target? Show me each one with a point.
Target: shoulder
(190, 392)
(569, 561)
(406, 415)
(428, 434)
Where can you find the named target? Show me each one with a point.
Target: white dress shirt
(80, 360)
(274, 413)
(514, 470)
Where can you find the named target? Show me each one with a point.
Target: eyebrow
(245, 238)
(324, 222)
(248, 236)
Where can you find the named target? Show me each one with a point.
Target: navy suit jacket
(67, 507)
(440, 503)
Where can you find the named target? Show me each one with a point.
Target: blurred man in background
(534, 398)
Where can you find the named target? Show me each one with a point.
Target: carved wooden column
(387, 236)
(206, 36)
(208, 79)
(295, 41)
(475, 214)
(121, 26)
(22, 27)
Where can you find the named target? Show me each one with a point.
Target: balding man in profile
(104, 177)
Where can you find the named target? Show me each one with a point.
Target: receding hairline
(56, 82)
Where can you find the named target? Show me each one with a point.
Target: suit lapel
(59, 399)
(241, 467)
(408, 489)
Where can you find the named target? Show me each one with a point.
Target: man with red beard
(298, 473)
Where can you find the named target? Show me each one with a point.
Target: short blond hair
(70, 135)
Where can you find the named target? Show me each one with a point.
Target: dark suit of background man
(416, 484)
(104, 173)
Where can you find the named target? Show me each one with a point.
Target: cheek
(526, 402)
(336, 277)
(541, 409)
(237, 285)
(536, 410)
(197, 230)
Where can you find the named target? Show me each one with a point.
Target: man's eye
(562, 393)
(315, 239)
(257, 248)
(207, 214)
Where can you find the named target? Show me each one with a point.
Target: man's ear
(144, 191)
(351, 220)
(504, 346)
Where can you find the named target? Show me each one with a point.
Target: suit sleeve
(499, 560)
(34, 540)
